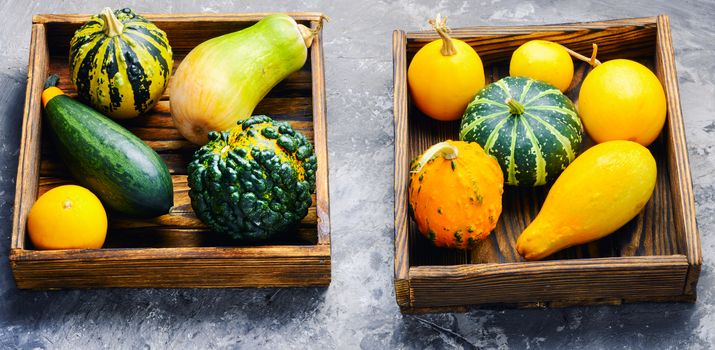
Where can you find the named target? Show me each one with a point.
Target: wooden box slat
(175, 249)
(656, 256)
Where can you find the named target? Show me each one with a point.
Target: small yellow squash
(603, 189)
(543, 60)
(445, 75)
(622, 100)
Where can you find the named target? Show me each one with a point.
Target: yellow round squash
(455, 194)
(543, 60)
(444, 75)
(603, 189)
(622, 100)
(67, 217)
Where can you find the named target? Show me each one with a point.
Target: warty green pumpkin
(253, 181)
(120, 63)
(529, 126)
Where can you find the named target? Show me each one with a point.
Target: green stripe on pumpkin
(493, 136)
(512, 164)
(501, 85)
(540, 162)
(543, 94)
(484, 101)
(469, 127)
(560, 137)
(573, 115)
(525, 91)
(533, 147)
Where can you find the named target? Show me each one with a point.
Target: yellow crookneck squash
(603, 189)
(455, 194)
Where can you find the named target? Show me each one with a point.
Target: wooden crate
(176, 249)
(655, 257)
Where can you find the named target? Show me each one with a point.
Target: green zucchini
(118, 167)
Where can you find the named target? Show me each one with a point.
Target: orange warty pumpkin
(455, 193)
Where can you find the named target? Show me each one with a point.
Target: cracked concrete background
(358, 310)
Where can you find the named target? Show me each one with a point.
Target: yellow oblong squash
(603, 189)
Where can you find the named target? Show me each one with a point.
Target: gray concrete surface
(358, 310)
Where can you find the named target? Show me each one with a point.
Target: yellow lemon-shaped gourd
(603, 189)
(444, 76)
(543, 60)
(622, 100)
(67, 217)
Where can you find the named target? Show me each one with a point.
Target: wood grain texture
(29, 161)
(546, 281)
(269, 266)
(320, 129)
(678, 165)
(176, 249)
(657, 237)
(402, 262)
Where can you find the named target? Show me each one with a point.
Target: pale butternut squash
(455, 194)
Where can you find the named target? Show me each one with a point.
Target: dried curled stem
(592, 60)
(319, 27)
(439, 24)
(112, 25)
(309, 34)
(444, 149)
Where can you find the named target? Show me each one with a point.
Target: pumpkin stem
(309, 34)
(445, 149)
(592, 60)
(112, 26)
(439, 24)
(515, 107)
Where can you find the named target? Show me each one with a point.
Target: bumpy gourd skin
(456, 202)
(253, 181)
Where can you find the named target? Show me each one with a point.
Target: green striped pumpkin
(529, 126)
(120, 63)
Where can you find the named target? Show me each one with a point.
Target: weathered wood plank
(321, 200)
(402, 240)
(267, 266)
(678, 164)
(29, 161)
(545, 281)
